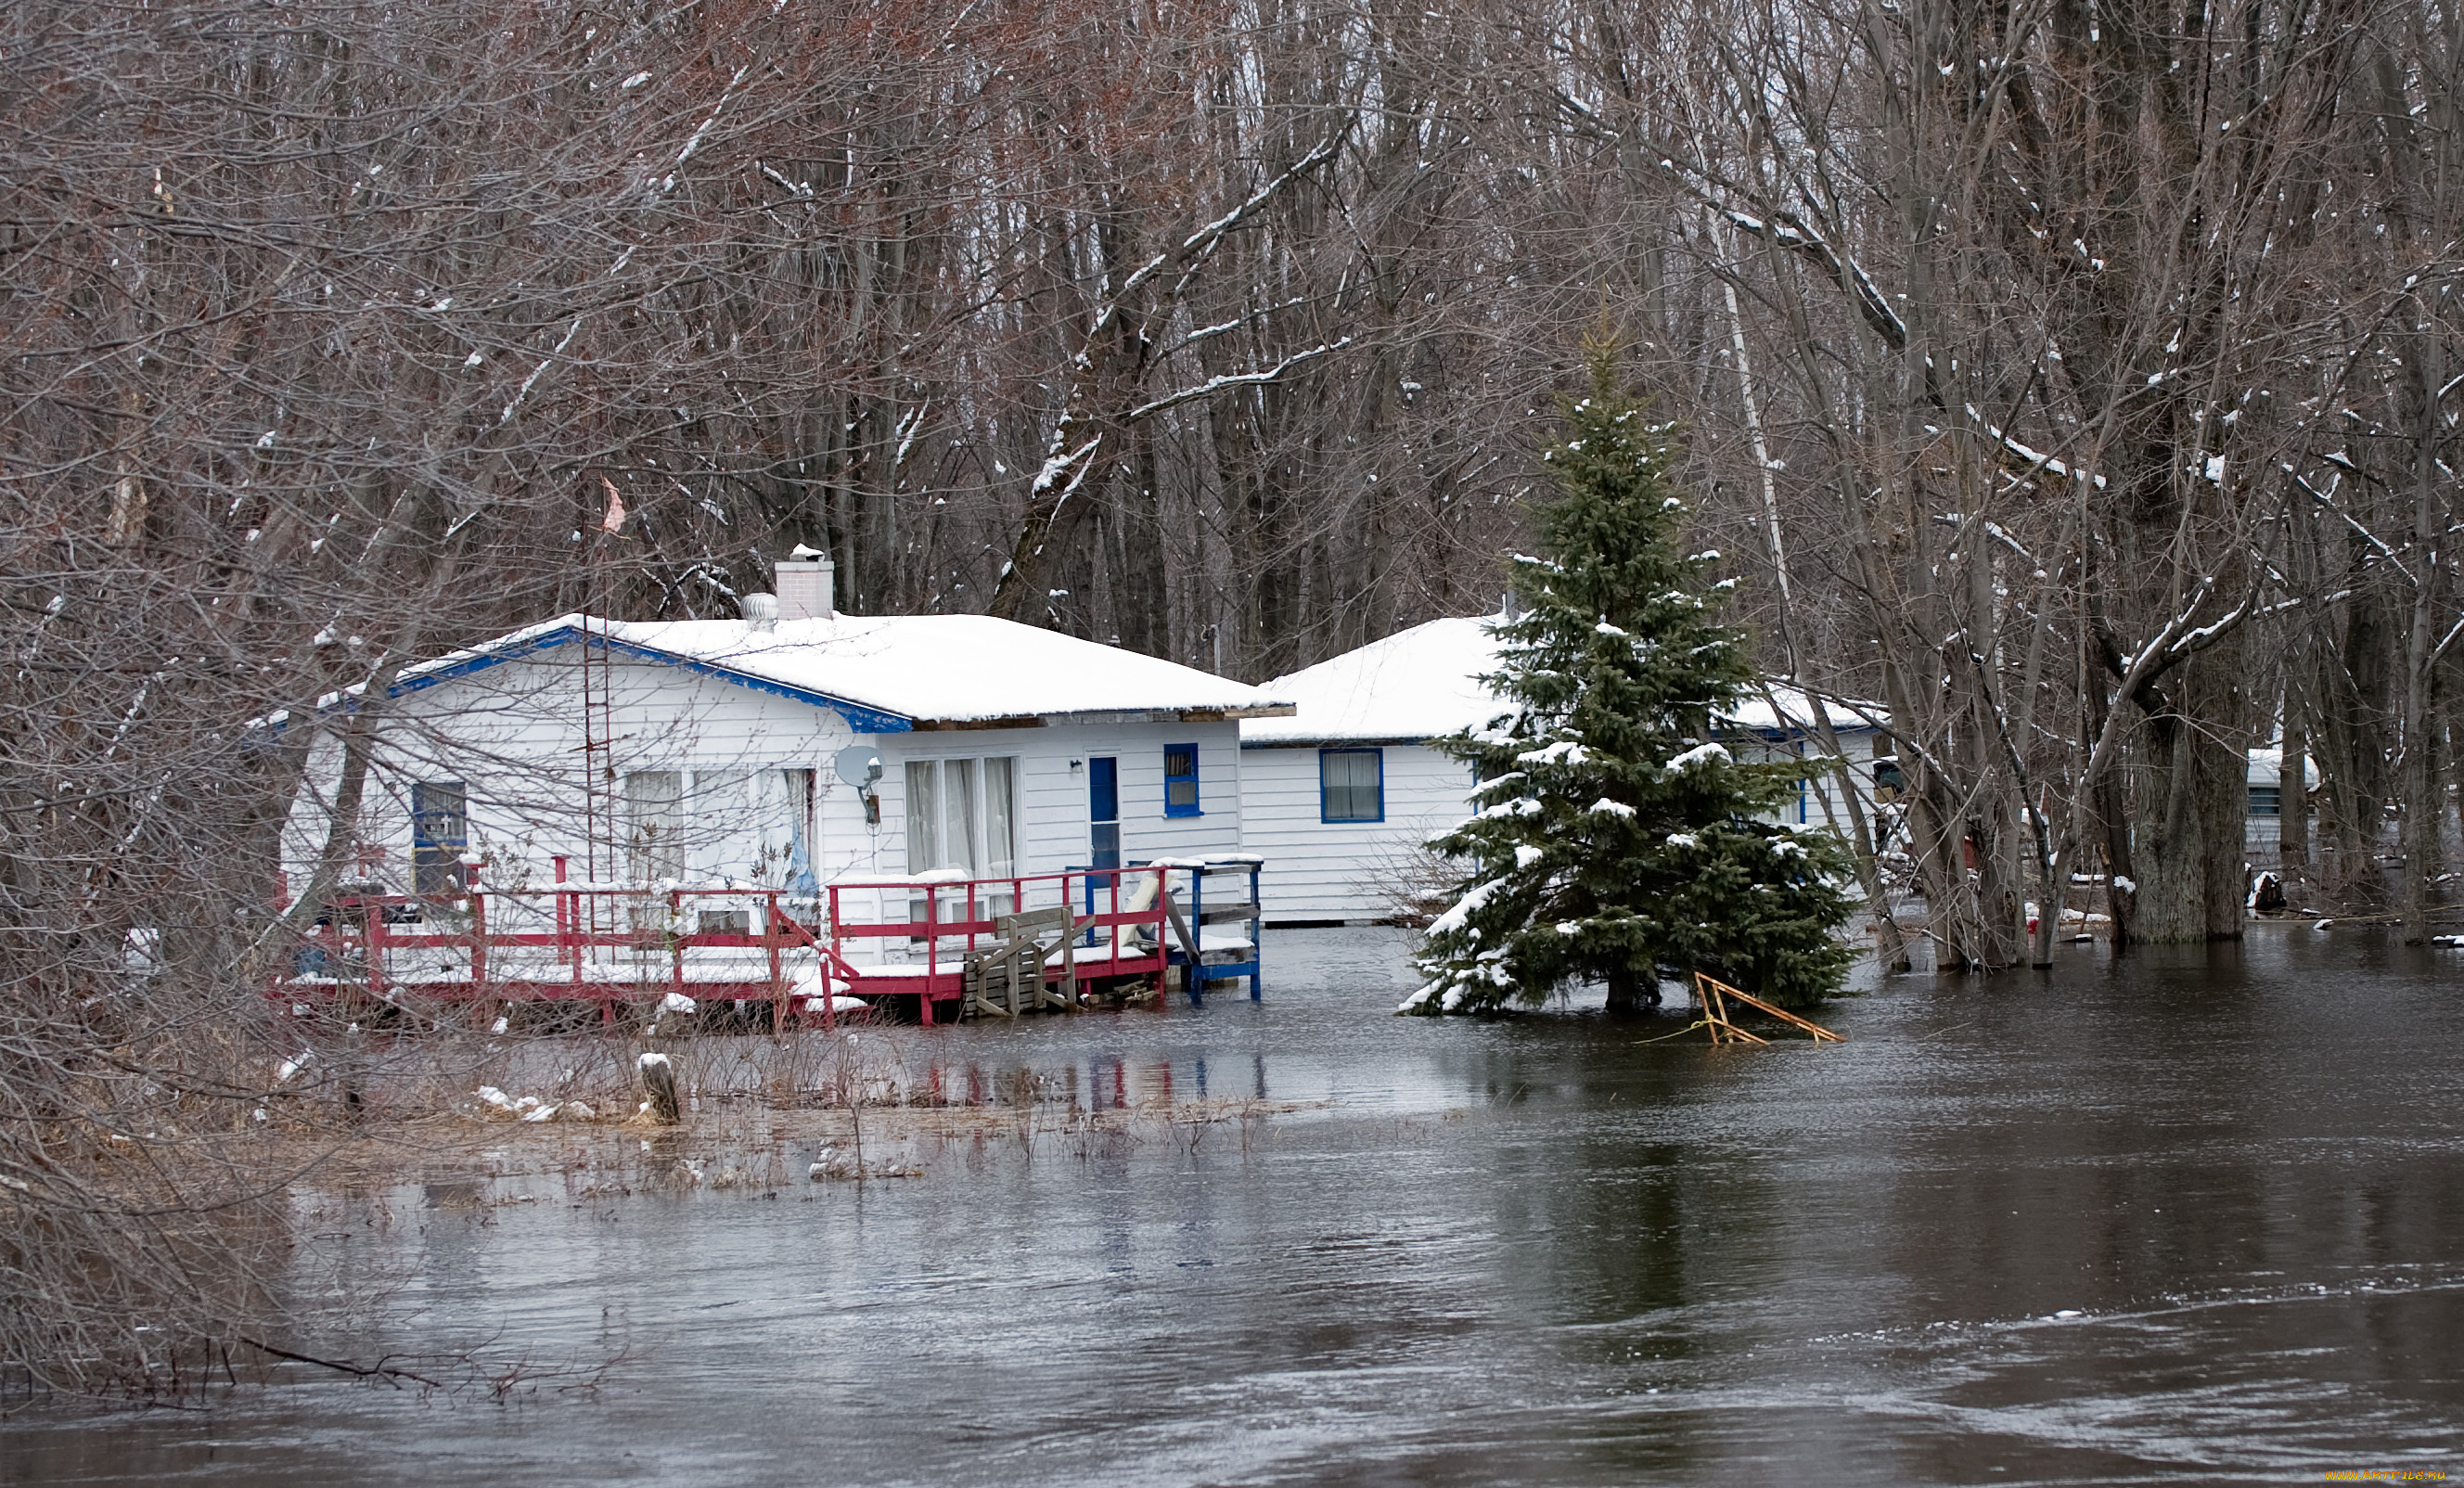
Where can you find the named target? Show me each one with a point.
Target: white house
(790, 750)
(2264, 830)
(1341, 794)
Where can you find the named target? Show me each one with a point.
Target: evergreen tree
(1614, 834)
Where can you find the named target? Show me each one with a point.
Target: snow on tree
(1615, 833)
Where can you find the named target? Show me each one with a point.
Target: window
(2267, 801)
(655, 820)
(440, 832)
(1181, 781)
(962, 814)
(1001, 827)
(799, 785)
(1350, 785)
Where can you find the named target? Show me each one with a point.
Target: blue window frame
(1352, 785)
(440, 832)
(1104, 812)
(1181, 781)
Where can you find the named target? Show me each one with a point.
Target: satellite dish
(860, 765)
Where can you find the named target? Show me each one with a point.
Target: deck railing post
(676, 935)
(777, 982)
(1256, 932)
(371, 943)
(478, 927)
(932, 955)
(1198, 927)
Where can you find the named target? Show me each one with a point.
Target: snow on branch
(2330, 502)
(1195, 248)
(1216, 385)
(514, 402)
(1790, 231)
(716, 109)
(1057, 464)
(2036, 459)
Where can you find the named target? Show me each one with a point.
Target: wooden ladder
(1714, 995)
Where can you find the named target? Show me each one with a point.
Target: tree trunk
(1631, 991)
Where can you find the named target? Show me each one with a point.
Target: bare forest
(2078, 381)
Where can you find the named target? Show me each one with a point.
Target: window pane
(959, 819)
(923, 814)
(654, 806)
(1181, 781)
(1103, 789)
(1000, 837)
(1352, 785)
(440, 830)
(800, 829)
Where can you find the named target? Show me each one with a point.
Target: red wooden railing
(360, 943)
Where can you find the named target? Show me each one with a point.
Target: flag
(615, 518)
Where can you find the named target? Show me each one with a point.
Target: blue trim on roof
(859, 717)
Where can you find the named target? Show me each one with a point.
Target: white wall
(1342, 870)
(1817, 801)
(512, 735)
(1053, 798)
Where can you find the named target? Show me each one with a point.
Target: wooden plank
(1033, 922)
(1180, 929)
(1818, 1031)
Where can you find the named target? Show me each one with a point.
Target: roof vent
(806, 579)
(760, 612)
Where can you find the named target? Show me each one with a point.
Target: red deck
(618, 946)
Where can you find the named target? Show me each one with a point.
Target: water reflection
(2193, 1218)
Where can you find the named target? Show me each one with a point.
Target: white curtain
(1001, 832)
(923, 814)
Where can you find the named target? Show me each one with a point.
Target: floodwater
(2194, 1219)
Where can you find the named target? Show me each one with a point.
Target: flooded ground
(2197, 1220)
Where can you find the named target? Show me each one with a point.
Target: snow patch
(1457, 917)
(1565, 751)
(1699, 755)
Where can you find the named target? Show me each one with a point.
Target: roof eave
(861, 717)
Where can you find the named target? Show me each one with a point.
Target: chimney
(760, 612)
(806, 581)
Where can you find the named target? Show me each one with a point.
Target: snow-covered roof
(1417, 684)
(2267, 768)
(1424, 683)
(892, 672)
(1772, 707)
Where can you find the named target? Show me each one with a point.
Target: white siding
(1817, 801)
(1053, 796)
(1348, 870)
(513, 735)
(1344, 870)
